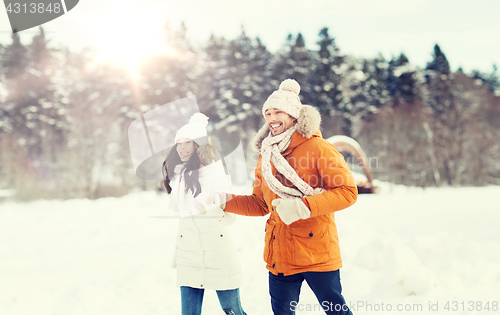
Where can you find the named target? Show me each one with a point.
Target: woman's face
(185, 148)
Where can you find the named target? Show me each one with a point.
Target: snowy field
(404, 248)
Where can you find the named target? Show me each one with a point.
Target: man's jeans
(192, 300)
(326, 286)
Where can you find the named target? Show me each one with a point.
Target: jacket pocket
(268, 242)
(311, 245)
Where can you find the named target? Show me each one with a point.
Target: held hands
(207, 200)
(214, 205)
(291, 210)
(211, 200)
(227, 218)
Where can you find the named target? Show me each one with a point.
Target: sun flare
(129, 36)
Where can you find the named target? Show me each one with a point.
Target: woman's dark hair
(190, 170)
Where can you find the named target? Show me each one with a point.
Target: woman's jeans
(192, 300)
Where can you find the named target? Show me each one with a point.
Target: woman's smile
(185, 149)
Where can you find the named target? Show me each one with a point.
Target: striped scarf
(271, 150)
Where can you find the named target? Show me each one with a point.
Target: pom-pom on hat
(195, 130)
(286, 98)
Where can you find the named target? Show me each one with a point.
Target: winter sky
(467, 31)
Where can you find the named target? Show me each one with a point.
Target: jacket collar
(298, 139)
(307, 126)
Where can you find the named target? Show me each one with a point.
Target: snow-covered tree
(64, 116)
(402, 80)
(214, 56)
(100, 104)
(377, 96)
(169, 76)
(13, 65)
(444, 116)
(327, 77)
(295, 61)
(34, 120)
(491, 80)
(236, 76)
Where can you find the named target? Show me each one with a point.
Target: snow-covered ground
(404, 248)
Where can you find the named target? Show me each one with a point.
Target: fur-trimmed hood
(207, 152)
(307, 125)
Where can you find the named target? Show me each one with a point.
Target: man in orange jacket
(301, 179)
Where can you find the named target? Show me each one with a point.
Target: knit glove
(291, 210)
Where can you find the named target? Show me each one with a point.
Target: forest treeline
(65, 115)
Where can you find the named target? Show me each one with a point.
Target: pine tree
(401, 80)
(301, 62)
(295, 61)
(31, 103)
(100, 104)
(438, 80)
(439, 62)
(169, 77)
(52, 120)
(327, 77)
(345, 89)
(243, 84)
(210, 80)
(14, 59)
(445, 120)
(377, 71)
(34, 120)
(354, 103)
(13, 64)
(494, 81)
(490, 80)
(280, 66)
(373, 92)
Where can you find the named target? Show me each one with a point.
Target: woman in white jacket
(205, 257)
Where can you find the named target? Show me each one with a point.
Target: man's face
(278, 121)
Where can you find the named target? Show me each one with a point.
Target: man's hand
(291, 210)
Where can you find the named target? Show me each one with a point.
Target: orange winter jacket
(311, 244)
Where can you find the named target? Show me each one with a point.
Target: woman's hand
(206, 199)
(214, 205)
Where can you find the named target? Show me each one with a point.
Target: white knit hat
(285, 99)
(195, 130)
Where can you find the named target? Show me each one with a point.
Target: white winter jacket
(205, 256)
